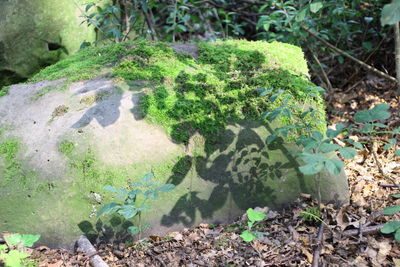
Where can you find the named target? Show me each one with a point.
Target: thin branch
(364, 230)
(368, 67)
(328, 82)
(84, 15)
(317, 251)
(381, 170)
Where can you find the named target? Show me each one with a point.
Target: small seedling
(392, 226)
(254, 217)
(312, 214)
(12, 254)
(135, 200)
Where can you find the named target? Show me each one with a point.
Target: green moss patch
(83, 65)
(12, 168)
(198, 94)
(3, 91)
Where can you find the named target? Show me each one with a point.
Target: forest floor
(351, 236)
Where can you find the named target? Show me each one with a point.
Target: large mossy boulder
(38, 33)
(188, 113)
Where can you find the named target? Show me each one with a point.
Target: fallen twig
(364, 230)
(85, 246)
(368, 67)
(381, 170)
(317, 251)
(387, 185)
(327, 81)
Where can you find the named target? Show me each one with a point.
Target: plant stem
(379, 165)
(318, 180)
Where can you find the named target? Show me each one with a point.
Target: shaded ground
(290, 241)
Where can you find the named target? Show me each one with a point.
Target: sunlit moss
(202, 94)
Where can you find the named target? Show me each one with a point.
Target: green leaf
(347, 152)
(134, 193)
(317, 135)
(111, 189)
(247, 236)
(302, 14)
(14, 258)
(397, 153)
(271, 138)
(333, 133)
(255, 216)
(326, 147)
(274, 114)
(313, 157)
(134, 230)
(357, 145)
(391, 13)
(29, 240)
(3, 247)
(311, 168)
(25, 240)
(367, 128)
(396, 131)
(391, 210)
(397, 235)
(110, 208)
(379, 112)
(147, 177)
(166, 188)
(396, 195)
(316, 6)
(88, 6)
(390, 227)
(334, 166)
(128, 211)
(391, 143)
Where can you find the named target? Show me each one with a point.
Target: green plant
(254, 217)
(13, 254)
(316, 147)
(135, 199)
(392, 226)
(312, 214)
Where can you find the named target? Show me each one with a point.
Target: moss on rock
(203, 92)
(203, 96)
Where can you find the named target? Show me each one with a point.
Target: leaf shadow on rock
(238, 175)
(104, 104)
(107, 232)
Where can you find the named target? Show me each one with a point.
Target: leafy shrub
(135, 199)
(253, 217)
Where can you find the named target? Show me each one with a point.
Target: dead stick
(381, 170)
(364, 230)
(317, 251)
(387, 185)
(85, 246)
(368, 67)
(328, 82)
